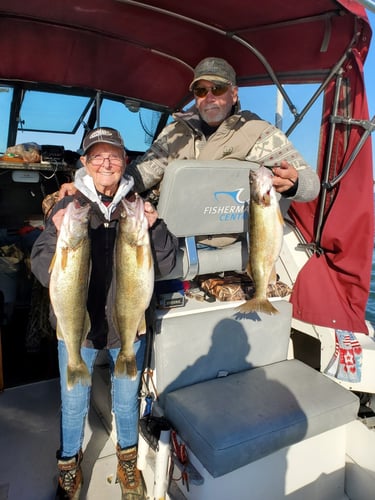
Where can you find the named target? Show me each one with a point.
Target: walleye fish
(265, 239)
(134, 281)
(68, 288)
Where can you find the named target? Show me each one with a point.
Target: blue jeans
(75, 402)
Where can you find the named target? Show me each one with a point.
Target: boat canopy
(145, 52)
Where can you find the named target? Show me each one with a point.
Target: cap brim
(116, 144)
(210, 78)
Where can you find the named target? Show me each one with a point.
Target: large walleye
(134, 281)
(68, 288)
(265, 239)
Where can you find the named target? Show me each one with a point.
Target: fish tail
(79, 373)
(257, 305)
(126, 366)
(131, 367)
(120, 366)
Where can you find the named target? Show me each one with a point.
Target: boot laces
(68, 480)
(129, 468)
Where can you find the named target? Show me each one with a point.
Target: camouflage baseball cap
(215, 70)
(102, 134)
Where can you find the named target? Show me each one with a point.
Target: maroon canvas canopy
(147, 50)
(332, 288)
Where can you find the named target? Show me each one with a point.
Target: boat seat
(226, 385)
(212, 199)
(202, 340)
(232, 421)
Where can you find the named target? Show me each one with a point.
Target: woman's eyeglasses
(217, 90)
(98, 160)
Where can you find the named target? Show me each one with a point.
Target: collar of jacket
(85, 184)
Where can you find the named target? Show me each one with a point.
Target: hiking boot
(129, 477)
(70, 478)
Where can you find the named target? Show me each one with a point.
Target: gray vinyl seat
(212, 199)
(208, 198)
(232, 421)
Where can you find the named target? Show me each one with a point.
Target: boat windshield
(48, 117)
(54, 117)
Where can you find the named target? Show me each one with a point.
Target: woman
(103, 184)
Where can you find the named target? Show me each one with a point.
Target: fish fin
(150, 260)
(87, 325)
(125, 366)
(131, 367)
(273, 276)
(120, 366)
(142, 326)
(280, 217)
(143, 257)
(64, 257)
(248, 269)
(139, 256)
(52, 263)
(79, 373)
(257, 305)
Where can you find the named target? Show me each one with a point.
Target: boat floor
(29, 438)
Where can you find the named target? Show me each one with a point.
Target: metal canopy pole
(227, 34)
(369, 127)
(368, 4)
(325, 176)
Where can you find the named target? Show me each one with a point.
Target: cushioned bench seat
(231, 421)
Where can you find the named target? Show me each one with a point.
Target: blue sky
(370, 77)
(306, 136)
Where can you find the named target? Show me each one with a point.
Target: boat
(267, 406)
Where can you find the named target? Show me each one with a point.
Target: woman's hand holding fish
(284, 176)
(58, 218)
(150, 213)
(67, 189)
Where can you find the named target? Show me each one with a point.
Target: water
(370, 309)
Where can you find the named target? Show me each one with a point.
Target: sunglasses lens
(216, 91)
(200, 92)
(219, 90)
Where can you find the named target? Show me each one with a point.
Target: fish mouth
(133, 207)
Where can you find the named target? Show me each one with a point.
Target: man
(215, 128)
(102, 183)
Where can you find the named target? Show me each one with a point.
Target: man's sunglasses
(216, 90)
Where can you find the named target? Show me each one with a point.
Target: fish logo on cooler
(234, 210)
(235, 195)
